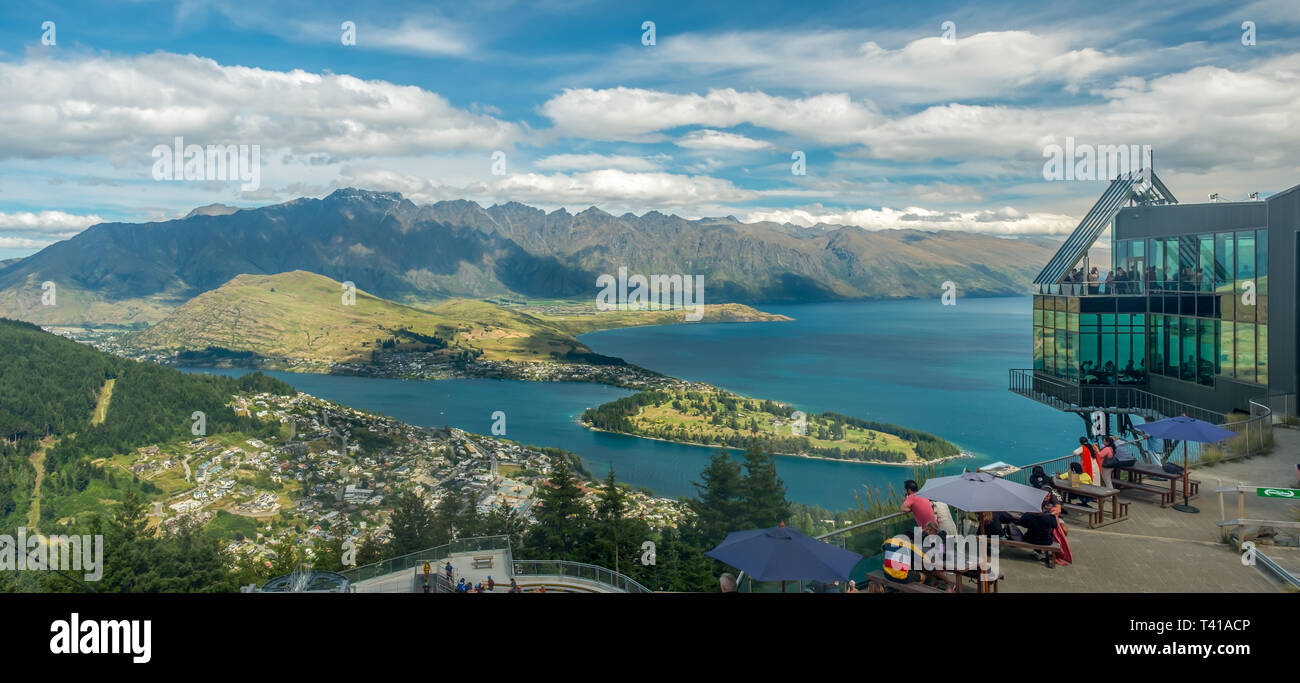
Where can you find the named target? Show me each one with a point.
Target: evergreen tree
(412, 525)
(561, 517)
(765, 502)
(719, 507)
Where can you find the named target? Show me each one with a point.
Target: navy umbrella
(784, 554)
(1183, 428)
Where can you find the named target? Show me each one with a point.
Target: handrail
(1084, 397)
(860, 525)
(419, 557)
(597, 573)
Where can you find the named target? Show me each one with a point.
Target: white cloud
(1202, 118)
(1001, 221)
(416, 36)
(613, 190)
(926, 69)
(125, 106)
(591, 162)
(639, 114)
(706, 138)
(49, 222)
(22, 243)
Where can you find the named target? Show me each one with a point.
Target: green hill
(302, 316)
(50, 386)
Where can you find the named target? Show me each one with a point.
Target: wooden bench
(878, 578)
(1094, 514)
(1166, 495)
(482, 562)
(1049, 551)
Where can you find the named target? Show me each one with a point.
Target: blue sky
(900, 127)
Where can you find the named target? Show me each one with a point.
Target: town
(336, 472)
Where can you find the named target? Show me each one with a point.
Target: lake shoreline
(922, 463)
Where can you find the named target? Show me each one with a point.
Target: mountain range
(123, 273)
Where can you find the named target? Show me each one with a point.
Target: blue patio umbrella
(1183, 428)
(784, 554)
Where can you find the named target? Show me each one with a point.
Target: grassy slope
(302, 315)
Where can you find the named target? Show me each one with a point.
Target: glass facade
(1206, 314)
(1088, 347)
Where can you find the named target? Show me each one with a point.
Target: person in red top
(1086, 455)
(920, 507)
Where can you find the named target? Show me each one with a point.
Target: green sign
(1278, 493)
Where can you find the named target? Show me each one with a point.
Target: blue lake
(941, 369)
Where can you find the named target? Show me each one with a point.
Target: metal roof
(1124, 188)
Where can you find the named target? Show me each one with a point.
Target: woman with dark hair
(1107, 454)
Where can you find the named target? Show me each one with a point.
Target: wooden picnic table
(1139, 470)
(1100, 494)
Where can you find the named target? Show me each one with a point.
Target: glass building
(1196, 303)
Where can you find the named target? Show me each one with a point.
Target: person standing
(918, 506)
(1107, 454)
(1087, 456)
(943, 517)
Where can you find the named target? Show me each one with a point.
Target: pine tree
(765, 501)
(412, 525)
(561, 517)
(719, 507)
(609, 516)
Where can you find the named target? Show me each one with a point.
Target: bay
(941, 369)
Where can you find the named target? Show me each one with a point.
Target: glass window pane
(1156, 269)
(1261, 354)
(1245, 257)
(1171, 263)
(1206, 357)
(1038, 348)
(1172, 358)
(1089, 360)
(1058, 339)
(1139, 356)
(1261, 262)
(1225, 264)
(1227, 346)
(1205, 264)
(1188, 364)
(1245, 352)
(1157, 344)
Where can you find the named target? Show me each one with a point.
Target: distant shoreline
(919, 463)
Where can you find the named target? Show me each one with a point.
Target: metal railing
(562, 569)
(1256, 430)
(1051, 467)
(1071, 397)
(431, 555)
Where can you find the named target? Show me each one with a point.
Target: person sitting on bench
(1039, 526)
(902, 560)
(1083, 479)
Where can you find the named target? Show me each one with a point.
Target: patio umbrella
(1183, 428)
(784, 554)
(983, 492)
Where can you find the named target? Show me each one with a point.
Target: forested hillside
(49, 387)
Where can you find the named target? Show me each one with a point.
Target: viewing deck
(1108, 398)
(477, 559)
